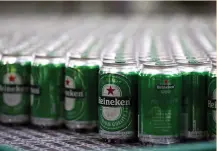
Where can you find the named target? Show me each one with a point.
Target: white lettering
(74, 94)
(114, 102)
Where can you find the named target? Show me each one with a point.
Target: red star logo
(11, 78)
(110, 90)
(67, 82)
(165, 81)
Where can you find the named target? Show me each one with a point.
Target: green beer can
(81, 82)
(211, 110)
(47, 77)
(160, 87)
(47, 84)
(14, 86)
(117, 96)
(194, 96)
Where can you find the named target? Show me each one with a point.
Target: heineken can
(211, 110)
(194, 96)
(15, 75)
(59, 55)
(160, 87)
(81, 83)
(81, 93)
(117, 98)
(47, 96)
(14, 89)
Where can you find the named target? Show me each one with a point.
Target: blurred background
(48, 17)
(108, 7)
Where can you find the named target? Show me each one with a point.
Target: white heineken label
(108, 101)
(14, 89)
(74, 93)
(70, 95)
(81, 96)
(165, 87)
(115, 106)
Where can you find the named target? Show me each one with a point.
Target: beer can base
(14, 119)
(44, 122)
(117, 136)
(81, 126)
(193, 136)
(119, 141)
(160, 140)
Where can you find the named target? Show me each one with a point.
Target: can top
(158, 49)
(121, 53)
(116, 59)
(154, 58)
(193, 61)
(163, 63)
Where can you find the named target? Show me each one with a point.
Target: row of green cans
(46, 80)
(135, 104)
(15, 83)
(64, 89)
(81, 82)
(184, 82)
